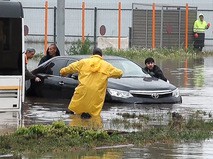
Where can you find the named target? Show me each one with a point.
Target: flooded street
(192, 77)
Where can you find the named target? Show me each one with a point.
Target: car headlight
(119, 93)
(176, 93)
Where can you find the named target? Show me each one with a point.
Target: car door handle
(61, 83)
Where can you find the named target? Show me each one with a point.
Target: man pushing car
(93, 74)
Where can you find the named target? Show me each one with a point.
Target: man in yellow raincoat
(89, 95)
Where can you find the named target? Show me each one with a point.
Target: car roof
(79, 57)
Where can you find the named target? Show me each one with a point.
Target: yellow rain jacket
(200, 26)
(93, 75)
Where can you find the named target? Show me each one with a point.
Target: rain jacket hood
(93, 74)
(95, 63)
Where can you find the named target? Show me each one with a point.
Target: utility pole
(60, 26)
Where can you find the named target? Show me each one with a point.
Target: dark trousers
(199, 42)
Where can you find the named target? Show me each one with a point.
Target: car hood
(139, 83)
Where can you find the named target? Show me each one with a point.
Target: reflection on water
(192, 77)
(184, 73)
(93, 154)
(94, 122)
(46, 111)
(157, 151)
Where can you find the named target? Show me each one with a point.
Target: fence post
(83, 22)
(153, 26)
(130, 37)
(95, 27)
(186, 27)
(161, 27)
(179, 29)
(54, 31)
(119, 25)
(61, 26)
(45, 27)
(146, 41)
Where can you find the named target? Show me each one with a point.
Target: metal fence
(95, 18)
(34, 19)
(169, 25)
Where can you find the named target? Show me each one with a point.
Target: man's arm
(195, 27)
(114, 72)
(207, 25)
(71, 68)
(159, 73)
(29, 75)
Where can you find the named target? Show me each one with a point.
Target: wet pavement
(192, 77)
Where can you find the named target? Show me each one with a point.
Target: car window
(55, 66)
(129, 68)
(70, 61)
(75, 75)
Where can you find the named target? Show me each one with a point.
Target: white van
(12, 65)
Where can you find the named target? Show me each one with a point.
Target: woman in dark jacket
(52, 51)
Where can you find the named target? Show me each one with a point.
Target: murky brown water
(192, 77)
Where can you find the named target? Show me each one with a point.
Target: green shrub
(79, 48)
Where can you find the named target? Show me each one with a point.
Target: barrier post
(54, 29)
(95, 26)
(186, 27)
(83, 22)
(119, 25)
(153, 26)
(45, 27)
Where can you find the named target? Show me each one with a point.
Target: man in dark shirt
(153, 69)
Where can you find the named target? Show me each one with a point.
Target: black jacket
(47, 57)
(156, 72)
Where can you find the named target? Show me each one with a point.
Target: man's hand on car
(37, 79)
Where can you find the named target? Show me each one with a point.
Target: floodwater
(192, 77)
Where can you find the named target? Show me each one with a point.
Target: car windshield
(129, 68)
